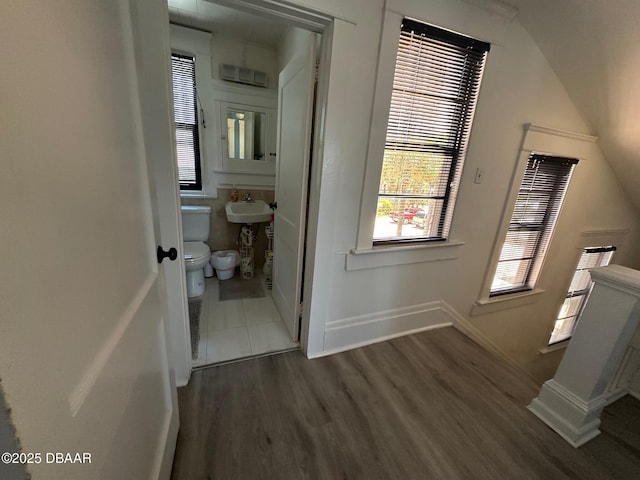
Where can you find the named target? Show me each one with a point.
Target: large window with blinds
(186, 121)
(578, 293)
(436, 83)
(534, 216)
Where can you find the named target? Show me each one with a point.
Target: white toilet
(195, 230)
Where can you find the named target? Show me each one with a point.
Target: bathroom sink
(248, 212)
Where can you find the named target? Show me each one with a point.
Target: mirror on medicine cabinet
(248, 138)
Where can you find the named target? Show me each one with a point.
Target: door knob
(273, 206)
(172, 253)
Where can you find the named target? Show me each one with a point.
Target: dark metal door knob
(172, 254)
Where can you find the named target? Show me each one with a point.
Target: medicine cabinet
(248, 143)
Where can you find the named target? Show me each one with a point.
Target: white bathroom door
(83, 345)
(154, 82)
(151, 75)
(295, 110)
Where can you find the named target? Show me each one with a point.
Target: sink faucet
(248, 198)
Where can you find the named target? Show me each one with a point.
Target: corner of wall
(470, 330)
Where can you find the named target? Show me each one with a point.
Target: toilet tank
(195, 223)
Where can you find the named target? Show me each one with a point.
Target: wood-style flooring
(434, 405)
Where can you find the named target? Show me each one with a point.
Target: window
(436, 82)
(186, 121)
(537, 206)
(579, 292)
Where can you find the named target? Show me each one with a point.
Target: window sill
(504, 302)
(195, 194)
(247, 171)
(391, 255)
(555, 347)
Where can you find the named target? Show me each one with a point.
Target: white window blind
(579, 290)
(535, 213)
(186, 121)
(436, 83)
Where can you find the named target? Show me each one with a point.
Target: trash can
(225, 263)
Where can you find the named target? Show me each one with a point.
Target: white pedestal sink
(248, 212)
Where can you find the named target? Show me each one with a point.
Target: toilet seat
(196, 252)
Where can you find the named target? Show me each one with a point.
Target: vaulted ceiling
(594, 48)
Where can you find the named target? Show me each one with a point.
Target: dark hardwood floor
(434, 405)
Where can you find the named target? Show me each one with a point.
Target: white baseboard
(358, 331)
(471, 331)
(354, 332)
(614, 396)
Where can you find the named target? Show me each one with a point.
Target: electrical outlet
(479, 175)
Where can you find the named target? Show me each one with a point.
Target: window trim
(490, 25)
(537, 138)
(405, 254)
(544, 228)
(471, 83)
(195, 128)
(584, 292)
(609, 236)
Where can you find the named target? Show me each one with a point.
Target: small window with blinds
(579, 290)
(535, 213)
(436, 83)
(186, 121)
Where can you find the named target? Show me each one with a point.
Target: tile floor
(238, 328)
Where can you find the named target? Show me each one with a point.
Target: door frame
(323, 60)
(321, 23)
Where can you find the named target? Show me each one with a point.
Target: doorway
(222, 323)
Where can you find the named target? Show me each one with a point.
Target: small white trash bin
(225, 263)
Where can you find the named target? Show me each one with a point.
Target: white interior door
(295, 110)
(153, 52)
(83, 339)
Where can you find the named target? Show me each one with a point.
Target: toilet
(195, 230)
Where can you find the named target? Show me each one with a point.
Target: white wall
(290, 44)
(519, 87)
(210, 52)
(236, 51)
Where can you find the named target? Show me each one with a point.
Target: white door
(153, 52)
(83, 338)
(295, 110)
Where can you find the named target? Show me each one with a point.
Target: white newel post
(572, 401)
